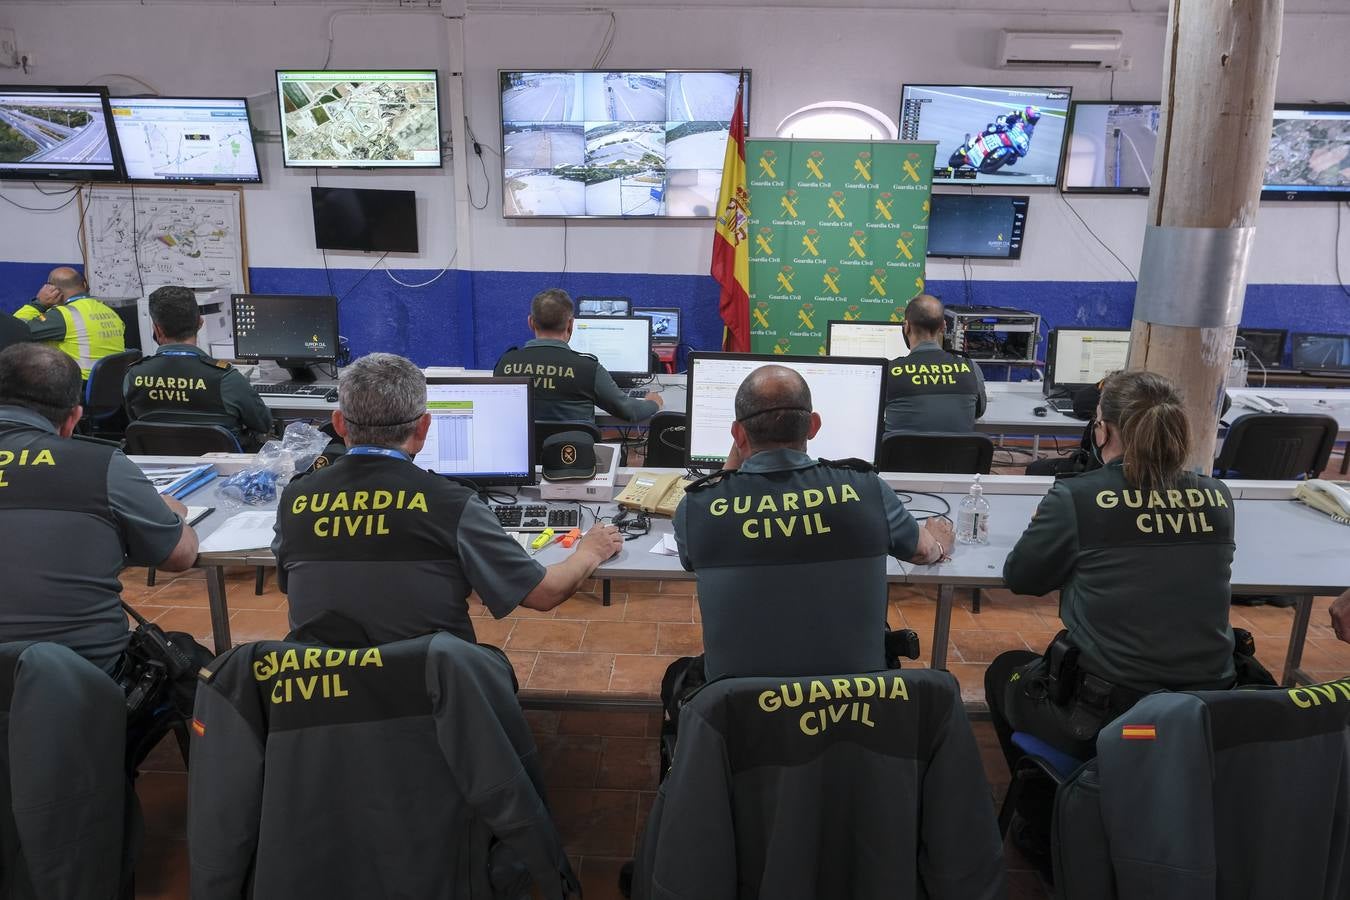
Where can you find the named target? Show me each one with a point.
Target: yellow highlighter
(544, 539)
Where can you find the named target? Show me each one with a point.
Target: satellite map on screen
(1309, 149)
(359, 118)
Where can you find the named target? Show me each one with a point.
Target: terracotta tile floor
(601, 765)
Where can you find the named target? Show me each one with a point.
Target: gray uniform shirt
(936, 412)
(60, 565)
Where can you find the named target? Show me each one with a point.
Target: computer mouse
(1040, 411)
(331, 396)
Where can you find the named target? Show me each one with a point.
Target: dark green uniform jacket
(569, 385)
(933, 390)
(182, 383)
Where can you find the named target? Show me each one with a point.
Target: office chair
(103, 410)
(667, 438)
(1276, 446)
(176, 439)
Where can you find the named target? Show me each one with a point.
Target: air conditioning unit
(1061, 50)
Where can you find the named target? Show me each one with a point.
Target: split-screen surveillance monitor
(60, 133)
(611, 143)
(359, 119)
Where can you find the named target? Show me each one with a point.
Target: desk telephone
(653, 493)
(1326, 496)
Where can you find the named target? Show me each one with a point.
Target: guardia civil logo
(804, 316)
(857, 245)
(904, 245)
(811, 242)
(831, 280)
(882, 208)
(788, 203)
(767, 161)
(814, 165)
(877, 283)
(862, 167)
(761, 314)
(836, 204)
(764, 242)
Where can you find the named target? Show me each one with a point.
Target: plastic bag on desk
(275, 465)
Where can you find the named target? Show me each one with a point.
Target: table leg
(1302, 616)
(220, 609)
(942, 627)
(1345, 459)
(604, 592)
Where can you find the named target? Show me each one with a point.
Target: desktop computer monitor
(1266, 345)
(623, 344)
(1321, 352)
(874, 339)
(294, 330)
(849, 393)
(665, 323)
(604, 306)
(1080, 357)
(482, 430)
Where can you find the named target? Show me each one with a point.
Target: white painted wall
(798, 56)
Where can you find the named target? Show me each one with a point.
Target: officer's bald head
(924, 316)
(67, 281)
(40, 378)
(773, 405)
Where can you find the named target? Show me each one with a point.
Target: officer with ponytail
(1141, 552)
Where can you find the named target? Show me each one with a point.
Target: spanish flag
(731, 250)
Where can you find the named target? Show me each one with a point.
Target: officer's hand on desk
(602, 542)
(655, 398)
(940, 528)
(1340, 616)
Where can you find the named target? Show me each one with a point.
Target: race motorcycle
(1002, 143)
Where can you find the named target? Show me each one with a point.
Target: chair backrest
(667, 438)
(1171, 801)
(175, 439)
(65, 791)
(545, 430)
(1276, 446)
(103, 391)
(956, 454)
(865, 785)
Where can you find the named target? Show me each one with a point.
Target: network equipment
(623, 344)
(359, 219)
(1308, 149)
(615, 143)
(988, 135)
(665, 323)
(1110, 147)
(604, 306)
(482, 430)
(1265, 344)
(845, 337)
(977, 226)
(60, 133)
(997, 334)
(1321, 354)
(360, 119)
(1078, 357)
(851, 391)
(296, 331)
(196, 140)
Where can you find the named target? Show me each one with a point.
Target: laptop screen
(1321, 351)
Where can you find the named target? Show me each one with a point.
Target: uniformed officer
(790, 551)
(374, 541)
(568, 385)
(931, 389)
(64, 315)
(1141, 552)
(182, 383)
(72, 515)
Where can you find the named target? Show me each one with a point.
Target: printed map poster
(188, 236)
(838, 230)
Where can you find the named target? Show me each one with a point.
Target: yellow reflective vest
(93, 330)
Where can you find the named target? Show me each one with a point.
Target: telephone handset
(1326, 496)
(653, 493)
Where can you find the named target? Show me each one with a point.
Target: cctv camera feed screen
(1111, 147)
(360, 119)
(1310, 153)
(615, 143)
(962, 225)
(988, 135)
(46, 132)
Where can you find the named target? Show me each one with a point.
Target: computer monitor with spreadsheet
(482, 430)
(1080, 357)
(292, 329)
(847, 392)
(623, 344)
(878, 339)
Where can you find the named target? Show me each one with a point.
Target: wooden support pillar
(1213, 138)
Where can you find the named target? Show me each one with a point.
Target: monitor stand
(301, 372)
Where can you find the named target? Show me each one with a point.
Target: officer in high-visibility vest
(183, 384)
(73, 514)
(80, 326)
(930, 389)
(567, 385)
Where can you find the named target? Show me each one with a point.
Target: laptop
(1265, 344)
(665, 323)
(1321, 354)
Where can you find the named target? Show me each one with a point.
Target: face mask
(1092, 439)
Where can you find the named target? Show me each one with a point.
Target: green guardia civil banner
(837, 230)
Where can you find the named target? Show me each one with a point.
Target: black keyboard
(1061, 404)
(295, 388)
(637, 393)
(536, 516)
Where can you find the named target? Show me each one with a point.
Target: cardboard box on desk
(596, 490)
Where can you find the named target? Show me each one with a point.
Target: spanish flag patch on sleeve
(1127, 732)
(198, 728)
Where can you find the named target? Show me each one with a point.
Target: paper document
(250, 530)
(666, 546)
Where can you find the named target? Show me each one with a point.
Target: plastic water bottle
(972, 518)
